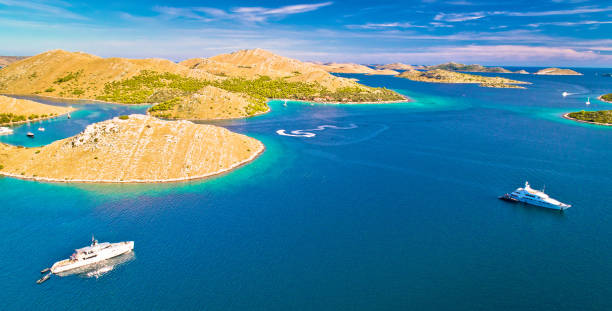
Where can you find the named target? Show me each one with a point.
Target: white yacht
(5, 130)
(534, 197)
(92, 254)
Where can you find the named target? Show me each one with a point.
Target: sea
(351, 207)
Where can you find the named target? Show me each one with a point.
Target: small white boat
(6, 130)
(588, 102)
(565, 94)
(95, 253)
(534, 197)
(41, 129)
(30, 134)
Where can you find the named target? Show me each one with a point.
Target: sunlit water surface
(383, 207)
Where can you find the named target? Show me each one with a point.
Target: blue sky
(505, 32)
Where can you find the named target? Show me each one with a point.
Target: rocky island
(130, 149)
(395, 66)
(445, 76)
(601, 117)
(354, 68)
(15, 111)
(253, 76)
(557, 72)
(606, 98)
(452, 66)
(5, 60)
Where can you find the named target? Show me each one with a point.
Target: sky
(574, 33)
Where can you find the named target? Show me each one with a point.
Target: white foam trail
(308, 132)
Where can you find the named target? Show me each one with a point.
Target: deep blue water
(399, 212)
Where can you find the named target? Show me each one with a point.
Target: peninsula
(15, 111)
(354, 68)
(606, 98)
(130, 149)
(601, 117)
(253, 76)
(557, 72)
(445, 76)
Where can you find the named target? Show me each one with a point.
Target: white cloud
(245, 14)
(557, 12)
(385, 26)
(459, 17)
(42, 8)
(535, 25)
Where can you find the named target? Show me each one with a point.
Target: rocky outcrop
(557, 72)
(445, 76)
(133, 148)
(468, 68)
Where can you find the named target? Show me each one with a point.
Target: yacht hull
(540, 203)
(115, 250)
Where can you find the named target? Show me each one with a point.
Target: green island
(603, 117)
(167, 88)
(606, 98)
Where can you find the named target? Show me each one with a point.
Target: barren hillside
(137, 148)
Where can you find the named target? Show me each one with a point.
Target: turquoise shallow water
(396, 211)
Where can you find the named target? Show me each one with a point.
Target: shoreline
(11, 124)
(97, 101)
(566, 116)
(600, 97)
(232, 167)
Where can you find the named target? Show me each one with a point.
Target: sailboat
(588, 102)
(285, 104)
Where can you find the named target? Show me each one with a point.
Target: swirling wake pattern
(309, 132)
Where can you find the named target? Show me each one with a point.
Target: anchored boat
(92, 254)
(534, 197)
(5, 130)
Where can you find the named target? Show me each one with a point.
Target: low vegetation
(68, 77)
(607, 97)
(166, 88)
(7, 118)
(602, 116)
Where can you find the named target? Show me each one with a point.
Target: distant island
(15, 111)
(354, 68)
(395, 66)
(601, 117)
(522, 71)
(445, 76)
(557, 72)
(133, 148)
(254, 76)
(6, 60)
(606, 98)
(468, 68)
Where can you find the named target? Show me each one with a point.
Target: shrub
(124, 117)
(68, 77)
(49, 90)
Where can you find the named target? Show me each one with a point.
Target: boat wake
(308, 133)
